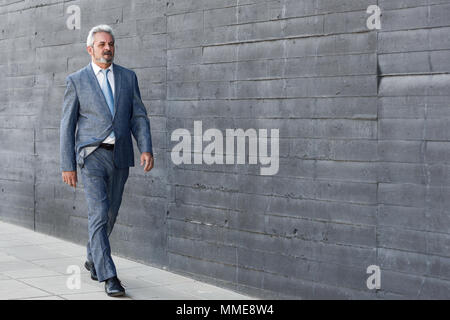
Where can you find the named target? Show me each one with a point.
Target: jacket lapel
(117, 86)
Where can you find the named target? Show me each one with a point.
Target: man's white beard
(103, 60)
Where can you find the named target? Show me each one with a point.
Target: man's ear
(89, 50)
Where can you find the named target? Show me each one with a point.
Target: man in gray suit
(102, 108)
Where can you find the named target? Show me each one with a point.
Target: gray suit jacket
(86, 119)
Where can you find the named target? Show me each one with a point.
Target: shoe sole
(89, 269)
(116, 294)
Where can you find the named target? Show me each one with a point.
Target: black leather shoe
(113, 287)
(90, 267)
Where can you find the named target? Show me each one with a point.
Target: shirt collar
(97, 69)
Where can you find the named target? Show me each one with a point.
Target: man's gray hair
(94, 30)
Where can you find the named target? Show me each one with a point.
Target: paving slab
(14, 289)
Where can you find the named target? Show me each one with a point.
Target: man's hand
(70, 177)
(148, 159)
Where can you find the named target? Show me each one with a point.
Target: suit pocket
(93, 165)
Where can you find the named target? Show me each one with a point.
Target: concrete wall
(364, 126)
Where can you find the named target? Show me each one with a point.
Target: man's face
(103, 49)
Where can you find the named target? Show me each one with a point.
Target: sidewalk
(33, 266)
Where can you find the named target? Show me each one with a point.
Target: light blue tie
(107, 92)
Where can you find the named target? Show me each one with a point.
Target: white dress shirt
(100, 77)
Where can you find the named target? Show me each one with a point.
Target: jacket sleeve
(68, 126)
(140, 124)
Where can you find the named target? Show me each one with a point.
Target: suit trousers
(103, 188)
